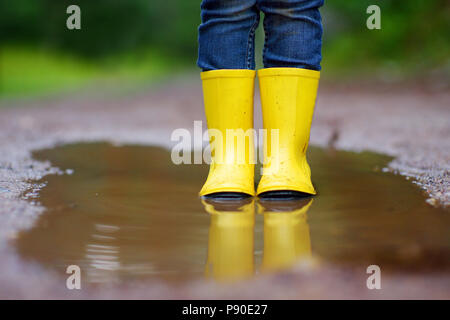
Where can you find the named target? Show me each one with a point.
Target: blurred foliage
(413, 39)
(108, 26)
(33, 71)
(121, 41)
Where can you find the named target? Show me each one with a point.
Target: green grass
(31, 72)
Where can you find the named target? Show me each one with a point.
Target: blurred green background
(136, 41)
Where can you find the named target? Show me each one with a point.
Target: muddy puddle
(127, 213)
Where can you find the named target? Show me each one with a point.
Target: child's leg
(288, 86)
(226, 41)
(293, 33)
(226, 34)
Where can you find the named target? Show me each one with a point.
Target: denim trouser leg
(293, 34)
(226, 35)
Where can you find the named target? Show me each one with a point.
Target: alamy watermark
(374, 20)
(73, 22)
(232, 146)
(374, 280)
(74, 280)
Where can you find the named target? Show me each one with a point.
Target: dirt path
(411, 125)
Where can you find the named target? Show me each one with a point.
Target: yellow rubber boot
(231, 236)
(286, 233)
(228, 97)
(288, 96)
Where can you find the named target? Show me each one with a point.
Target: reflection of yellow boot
(230, 248)
(286, 233)
(228, 98)
(288, 96)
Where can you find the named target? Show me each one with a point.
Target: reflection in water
(128, 213)
(102, 255)
(231, 239)
(231, 236)
(286, 233)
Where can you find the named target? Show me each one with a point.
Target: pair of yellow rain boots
(288, 97)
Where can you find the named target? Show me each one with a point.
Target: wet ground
(397, 216)
(127, 213)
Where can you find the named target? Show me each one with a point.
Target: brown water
(128, 213)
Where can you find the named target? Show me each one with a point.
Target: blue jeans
(293, 34)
